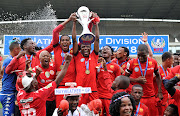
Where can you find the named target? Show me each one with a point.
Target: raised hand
(28, 62)
(21, 53)
(95, 18)
(73, 17)
(38, 71)
(68, 57)
(94, 14)
(144, 37)
(103, 63)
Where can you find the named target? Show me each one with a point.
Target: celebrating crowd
(120, 85)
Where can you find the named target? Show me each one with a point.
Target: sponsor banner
(81, 90)
(158, 43)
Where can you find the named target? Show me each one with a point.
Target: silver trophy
(84, 15)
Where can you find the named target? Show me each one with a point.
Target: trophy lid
(83, 8)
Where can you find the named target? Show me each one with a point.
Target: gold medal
(47, 74)
(30, 69)
(87, 72)
(61, 67)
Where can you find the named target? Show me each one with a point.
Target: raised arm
(13, 65)
(61, 75)
(96, 22)
(75, 44)
(96, 42)
(59, 28)
(145, 40)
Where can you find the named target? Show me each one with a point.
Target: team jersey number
(29, 112)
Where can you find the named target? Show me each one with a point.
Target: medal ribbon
(164, 71)
(141, 68)
(62, 55)
(87, 64)
(121, 63)
(106, 63)
(137, 111)
(30, 58)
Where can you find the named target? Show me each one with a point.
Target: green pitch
(0, 105)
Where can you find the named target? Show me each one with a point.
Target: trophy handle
(90, 20)
(90, 14)
(79, 21)
(77, 14)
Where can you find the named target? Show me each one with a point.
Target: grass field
(0, 105)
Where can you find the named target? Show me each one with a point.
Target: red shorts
(150, 102)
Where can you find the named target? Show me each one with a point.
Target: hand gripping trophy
(84, 15)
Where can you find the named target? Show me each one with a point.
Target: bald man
(47, 73)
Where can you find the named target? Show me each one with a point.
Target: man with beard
(137, 93)
(47, 73)
(59, 51)
(122, 57)
(114, 71)
(85, 63)
(141, 70)
(73, 101)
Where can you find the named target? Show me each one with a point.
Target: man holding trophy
(85, 60)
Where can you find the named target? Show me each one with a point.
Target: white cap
(26, 81)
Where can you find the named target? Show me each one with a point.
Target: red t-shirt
(121, 63)
(19, 64)
(34, 103)
(83, 79)
(134, 69)
(176, 98)
(143, 110)
(71, 72)
(114, 71)
(46, 77)
(1, 58)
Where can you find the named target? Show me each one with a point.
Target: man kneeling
(31, 100)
